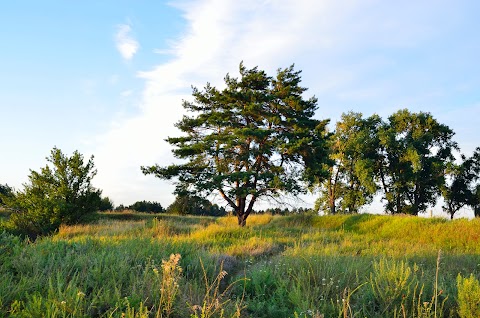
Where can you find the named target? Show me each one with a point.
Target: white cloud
(330, 40)
(125, 43)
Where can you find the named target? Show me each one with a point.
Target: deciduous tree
(353, 150)
(462, 188)
(413, 155)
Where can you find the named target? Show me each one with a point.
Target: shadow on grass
(352, 223)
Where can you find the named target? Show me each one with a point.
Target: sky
(107, 77)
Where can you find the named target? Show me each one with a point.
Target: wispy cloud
(125, 43)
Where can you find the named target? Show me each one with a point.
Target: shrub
(60, 193)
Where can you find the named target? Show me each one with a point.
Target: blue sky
(107, 77)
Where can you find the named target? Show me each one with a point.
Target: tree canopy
(413, 155)
(404, 159)
(255, 138)
(462, 189)
(353, 150)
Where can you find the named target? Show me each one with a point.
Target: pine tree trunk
(332, 209)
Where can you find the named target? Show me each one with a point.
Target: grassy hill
(143, 265)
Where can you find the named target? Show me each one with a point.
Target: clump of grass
(253, 247)
(398, 290)
(162, 229)
(259, 219)
(468, 296)
(392, 283)
(102, 228)
(215, 298)
(169, 285)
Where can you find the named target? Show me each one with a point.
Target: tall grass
(289, 266)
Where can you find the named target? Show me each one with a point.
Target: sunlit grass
(294, 265)
(101, 228)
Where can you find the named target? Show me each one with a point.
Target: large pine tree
(255, 138)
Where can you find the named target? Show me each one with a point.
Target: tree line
(182, 205)
(408, 159)
(256, 139)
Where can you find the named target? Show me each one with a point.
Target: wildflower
(80, 294)
(196, 307)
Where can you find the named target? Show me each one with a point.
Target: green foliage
(468, 296)
(255, 138)
(462, 189)
(403, 158)
(106, 204)
(287, 211)
(5, 193)
(392, 284)
(472, 165)
(353, 150)
(147, 206)
(413, 154)
(194, 205)
(59, 193)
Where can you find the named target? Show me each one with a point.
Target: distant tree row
(286, 211)
(143, 206)
(195, 205)
(183, 205)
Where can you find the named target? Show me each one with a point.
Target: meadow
(142, 265)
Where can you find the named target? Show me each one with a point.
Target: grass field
(143, 265)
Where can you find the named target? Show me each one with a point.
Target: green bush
(60, 193)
